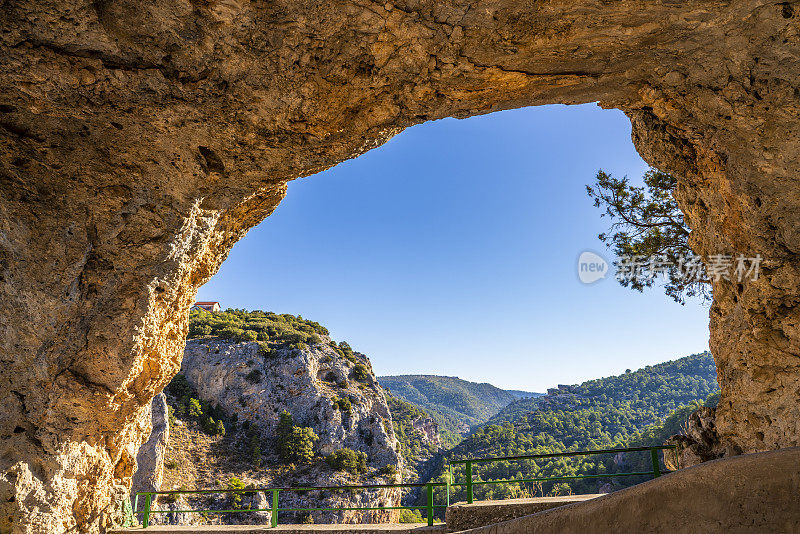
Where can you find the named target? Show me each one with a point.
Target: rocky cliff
(140, 140)
(246, 386)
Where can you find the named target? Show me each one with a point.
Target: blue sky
(452, 250)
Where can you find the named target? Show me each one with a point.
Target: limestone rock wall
(150, 457)
(306, 383)
(140, 140)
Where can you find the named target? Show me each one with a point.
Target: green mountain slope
(449, 398)
(616, 411)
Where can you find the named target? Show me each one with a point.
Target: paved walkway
(390, 528)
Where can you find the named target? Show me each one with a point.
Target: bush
(249, 335)
(411, 516)
(236, 498)
(295, 444)
(389, 470)
(219, 428)
(231, 332)
(264, 349)
(254, 376)
(348, 460)
(171, 463)
(179, 387)
(360, 372)
(193, 408)
(342, 404)
(253, 445)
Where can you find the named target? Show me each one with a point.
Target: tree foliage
(642, 407)
(295, 443)
(348, 460)
(647, 223)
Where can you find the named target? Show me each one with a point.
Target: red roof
(203, 302)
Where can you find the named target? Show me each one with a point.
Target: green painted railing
(469, 483)
(430, 506)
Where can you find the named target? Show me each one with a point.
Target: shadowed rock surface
(150, 458)
(139, 140)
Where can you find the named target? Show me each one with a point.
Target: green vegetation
(183, 402)
(411, 516)
(348, 460)
(414, 448)
(637, 408)
(342, 403)
(243, 325)
(647, 222)
(454, 403)
(295, 443)
(360, 372)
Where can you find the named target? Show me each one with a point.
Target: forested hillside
(626, 410)
(456, 404)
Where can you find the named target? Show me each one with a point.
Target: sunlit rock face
(140, 140)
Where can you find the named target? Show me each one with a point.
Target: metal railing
(469, 462)
(430, 506)
(147, 511)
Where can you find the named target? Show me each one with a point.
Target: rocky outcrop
(699, 442)
(429, 429)
(150, 458)
(308, 383)
(338, 397)
(140, 140)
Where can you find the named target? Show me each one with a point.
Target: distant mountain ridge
(456, 404)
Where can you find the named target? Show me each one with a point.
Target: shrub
(236, 498)
(193, 408)
(231, 332)
(389, 470)
(254, 376)
(348, 460)
(343, 384)
(295, 444)
(264, 349)
(306, 518)
(330, 377)
(249, 335)
(411, 516)
(171, 463)
(253, 445)
(179, 387)
(171, 416)
(219, 428)
(360, 372)
(342, 404)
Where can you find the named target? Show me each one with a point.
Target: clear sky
(452, 250)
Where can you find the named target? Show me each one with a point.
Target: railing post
(469, 482)
(429, 488)
(274, 517)
(677, 461)
(147, 501)
(449, 481)
(654, 458)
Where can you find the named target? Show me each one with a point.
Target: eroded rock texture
(140, 140)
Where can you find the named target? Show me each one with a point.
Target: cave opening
(458, 239)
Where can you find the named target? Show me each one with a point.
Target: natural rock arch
(140, 140)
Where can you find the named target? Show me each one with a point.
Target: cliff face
(140, 140)
(305, 382)
(249, 388)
